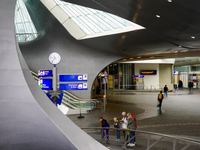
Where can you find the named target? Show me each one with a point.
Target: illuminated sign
(148, 72)
(73, 86)
(73, 78)
(45, 84)
(175, 72)
(137, 76)
(45, 73)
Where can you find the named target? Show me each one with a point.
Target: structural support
(185, 147)
(54, 78)
(174, 144)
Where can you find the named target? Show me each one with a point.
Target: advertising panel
(148, 72)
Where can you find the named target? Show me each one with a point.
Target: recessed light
(131, 58)
(152, 57)
(139, 57)
(158, 16)
(179, 46)
(169, 1)
(124, 59)
(193, 37)
(175, 51)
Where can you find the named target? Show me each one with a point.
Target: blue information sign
(73, 86)
(73, 78)
(59, 100)
(45, 84)
(45, 73)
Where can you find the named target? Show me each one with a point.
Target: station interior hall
(99, 75)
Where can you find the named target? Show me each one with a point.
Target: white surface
(155, 61)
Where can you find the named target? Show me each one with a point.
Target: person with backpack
(160, 99)
(106, 125)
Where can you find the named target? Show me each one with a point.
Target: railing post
(174, 144)
(148, 142)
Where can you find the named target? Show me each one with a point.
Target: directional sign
(73, 78)
(45, 84)
(73, 86)
(45, 73)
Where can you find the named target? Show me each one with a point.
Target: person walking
(131, 125)
(190, 85)
(160, 99)
(180, 84)
(124, 122)
(175, 88)
(117, 126)
(105, 125)
(165, 91)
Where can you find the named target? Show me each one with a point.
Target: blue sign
(175, 72)
(45, 73)
(73, 78)
(73, 86)
(45, 84)
(137, 76)
(59, 100)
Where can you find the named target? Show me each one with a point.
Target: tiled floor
(179, 115)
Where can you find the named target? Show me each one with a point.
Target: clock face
(54, 58)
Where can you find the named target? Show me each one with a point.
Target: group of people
(128, 121)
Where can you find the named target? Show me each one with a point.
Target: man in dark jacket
(165, 91)
(106, 125)
(131, 125)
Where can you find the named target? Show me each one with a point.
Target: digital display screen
(73, 78)
(73, 86)
(45, 73)
(148, 72)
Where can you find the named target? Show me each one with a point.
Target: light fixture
(175, 51)
(193, 37)
(123, 37)
(131, 58)
(152, 57)
(124, 59)
(158, 16)
(139, 57)
(169, 1)
(179, 46)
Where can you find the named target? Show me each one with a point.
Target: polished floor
(179, 115)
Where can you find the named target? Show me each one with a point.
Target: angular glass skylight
(83, 22)
(25, 29)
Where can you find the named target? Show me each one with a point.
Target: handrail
(175, 139)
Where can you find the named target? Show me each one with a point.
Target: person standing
(105, 125)
(117, 126)
(98, 90)
(131, 125)
(160, 99)
(124, 122)
(175, 88)
(180, 84)
(165, 91)
(190, 85)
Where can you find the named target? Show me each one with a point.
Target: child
(116, 125)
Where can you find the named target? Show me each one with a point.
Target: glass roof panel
(93, 21)
(25, 29)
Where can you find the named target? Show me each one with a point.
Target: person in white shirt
(124, 122)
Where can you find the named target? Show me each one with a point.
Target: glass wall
(25, 29)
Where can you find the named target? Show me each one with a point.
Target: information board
(45, 73)
(73, 78)
(148, 72)
(45, 84)
(73, 86)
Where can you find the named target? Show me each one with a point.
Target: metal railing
(185, 142)
(74, 102)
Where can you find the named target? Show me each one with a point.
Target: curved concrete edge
(77, 136)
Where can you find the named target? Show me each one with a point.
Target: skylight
(83, 22)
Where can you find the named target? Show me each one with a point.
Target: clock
(54, 58)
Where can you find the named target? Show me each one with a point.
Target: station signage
(148, 72)
(73, 86)
(45, 73)
(45, 84)
(175, 72)
(138, 76)
(73, 78)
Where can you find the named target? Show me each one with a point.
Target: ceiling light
(139, 57)
(175, 51)
(179, 46)
(158, 16)
(193, 37)
(152, 57)
(124, 59)
(169, 1)
(131, 58)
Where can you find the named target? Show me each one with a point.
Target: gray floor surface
(179, 117)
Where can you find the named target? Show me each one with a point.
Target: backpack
(135, 120)
(160, 96)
